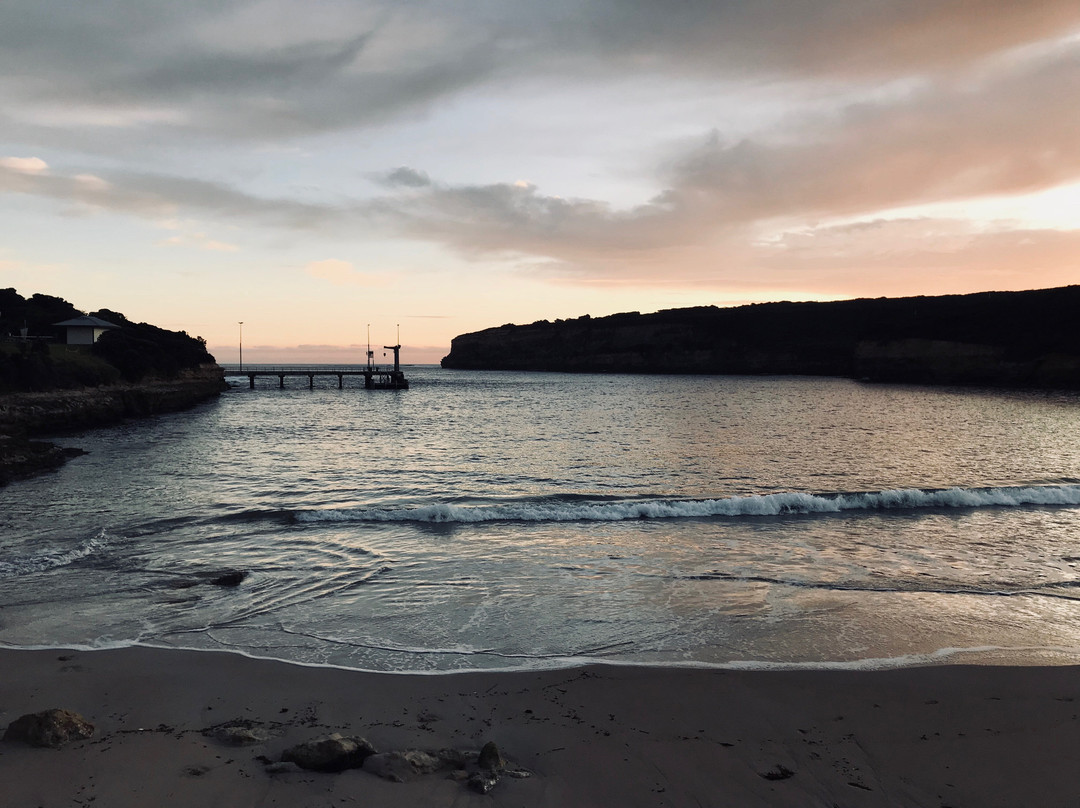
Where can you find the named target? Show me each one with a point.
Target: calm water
(501, 520)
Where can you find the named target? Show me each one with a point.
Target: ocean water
(520, 520)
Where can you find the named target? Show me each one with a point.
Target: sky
(322, 169)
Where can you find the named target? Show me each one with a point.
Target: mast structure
(396, 349)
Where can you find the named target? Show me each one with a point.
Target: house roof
(87, 321)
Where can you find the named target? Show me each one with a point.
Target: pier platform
(375, 378)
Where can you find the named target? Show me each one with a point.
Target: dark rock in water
(51, 728)
(490, 758)
(483, 782)
(331, 754)
(229, 578)
(21, 458)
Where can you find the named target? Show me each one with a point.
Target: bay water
(497, 520)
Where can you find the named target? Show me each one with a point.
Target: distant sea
(486, 520)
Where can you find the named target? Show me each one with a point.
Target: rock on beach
(333, 753)
(49, 728)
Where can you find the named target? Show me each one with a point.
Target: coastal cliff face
(1015, 339)
(36, 413)
(23, 415)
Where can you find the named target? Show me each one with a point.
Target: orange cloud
(341, 273)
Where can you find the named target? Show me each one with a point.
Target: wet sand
(594, 736)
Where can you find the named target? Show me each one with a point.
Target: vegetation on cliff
(990, 338)
(33, 356)
(46, 385)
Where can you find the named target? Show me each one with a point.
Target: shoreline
(591, 736)
(975, 656)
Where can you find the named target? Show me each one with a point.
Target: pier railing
(375, 377)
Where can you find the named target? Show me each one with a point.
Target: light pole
(241, 346)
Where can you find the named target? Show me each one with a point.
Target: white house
(85, 330)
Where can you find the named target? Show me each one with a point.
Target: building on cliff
(84, 330)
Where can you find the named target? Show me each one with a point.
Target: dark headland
(996, 339)
(124, 370)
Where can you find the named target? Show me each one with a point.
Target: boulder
(333, 753)
(50, 728)
(490, 758)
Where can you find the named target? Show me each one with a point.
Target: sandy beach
(593, 736)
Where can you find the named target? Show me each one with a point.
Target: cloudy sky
(314, 166)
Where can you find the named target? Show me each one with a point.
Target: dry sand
(596, 736)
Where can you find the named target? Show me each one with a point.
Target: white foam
(985, 655)
(753, 505)
(52, 558)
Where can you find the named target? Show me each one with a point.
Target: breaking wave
(741, 506)
(51, 558)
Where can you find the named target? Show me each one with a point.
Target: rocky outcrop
(21, 458)
(1009, 339)
(50, 728)
(923, 361)
(37, 413)
(24, 415)
(479, 771)
(331, 754)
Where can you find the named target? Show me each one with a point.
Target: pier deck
(375, 378)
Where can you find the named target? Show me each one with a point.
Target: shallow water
(502, 520)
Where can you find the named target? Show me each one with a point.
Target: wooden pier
(375, 378)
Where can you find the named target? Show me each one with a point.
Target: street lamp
(241, 346)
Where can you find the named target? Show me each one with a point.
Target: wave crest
(742, 506)
(52, 558)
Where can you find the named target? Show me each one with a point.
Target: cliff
(23, 415)
(1015, 339)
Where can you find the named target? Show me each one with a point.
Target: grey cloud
(961, 136)
(828, 36)
(130, 54)
(948, 141)
(405, 177)
(158, 196)
(943, 142)
(119, 52)
(196, 73)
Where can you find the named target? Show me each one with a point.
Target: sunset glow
(310, 168)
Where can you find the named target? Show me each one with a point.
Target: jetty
(375, 377)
